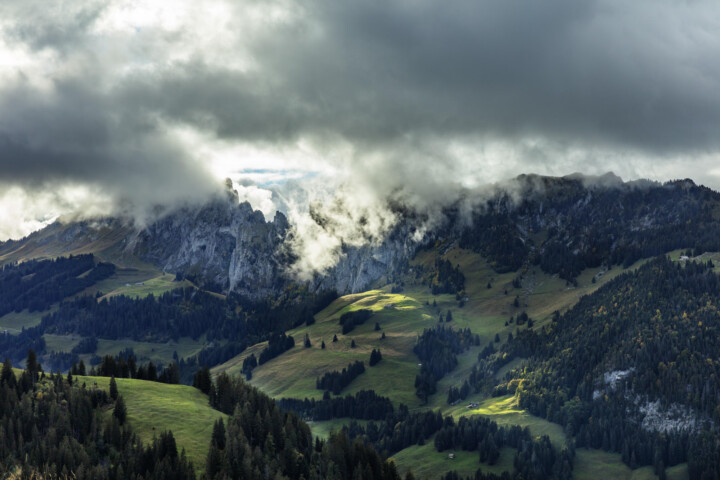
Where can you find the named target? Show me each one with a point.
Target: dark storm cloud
(408, 96)
(643, 76)
(77, 135)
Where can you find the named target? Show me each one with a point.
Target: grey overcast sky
(115, 104)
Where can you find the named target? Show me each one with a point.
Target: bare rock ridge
(224, 244)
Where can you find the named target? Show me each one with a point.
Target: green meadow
(155, 407)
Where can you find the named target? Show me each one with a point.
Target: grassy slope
(504, 411)
(148, 351)
(324, 428)
(593, 464)
(14, 322)
(122, 282)
(125, 284)
(293, 373)
(426, 462)
(154, 407)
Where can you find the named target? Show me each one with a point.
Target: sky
(119, 106)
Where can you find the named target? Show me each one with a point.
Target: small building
(451, 456)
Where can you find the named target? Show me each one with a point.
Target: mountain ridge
(572, 221)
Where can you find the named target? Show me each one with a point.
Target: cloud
(375, 103)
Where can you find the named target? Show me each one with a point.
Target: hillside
(403, 317)
(154, 407)
(482, 317)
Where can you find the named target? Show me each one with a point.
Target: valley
(468, 327)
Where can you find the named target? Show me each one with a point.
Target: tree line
(37, 284)
(438, 348)
(364, 405)
(335, 381)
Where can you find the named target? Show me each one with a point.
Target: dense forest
(335, 381)
(535, 458)
(261, 440)
(364, 405)
(587, 226)
(648, 335)
(51, 427)
(438, 348)
(350, 320)
(229, 324)
(37, 284)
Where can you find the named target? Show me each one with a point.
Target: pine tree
(31, 365)
(218, 434)
(448, 317)
(120, 411)
(307, 341)
(352, 343)
(335, 339)
(113, 388)
(8, 376)
(322, 345)
(152, 372)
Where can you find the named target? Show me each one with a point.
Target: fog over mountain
(134, 108)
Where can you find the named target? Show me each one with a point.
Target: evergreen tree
(120, 411)
(152, 372)
(113, 389)
(8, 376)
(31, 365)
(218, 434)
(375, 357)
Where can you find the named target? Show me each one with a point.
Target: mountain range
(546, 327)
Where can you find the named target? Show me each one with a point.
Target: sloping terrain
(154, 407)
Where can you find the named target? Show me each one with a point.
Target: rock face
(224, 245)
(362, 266)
